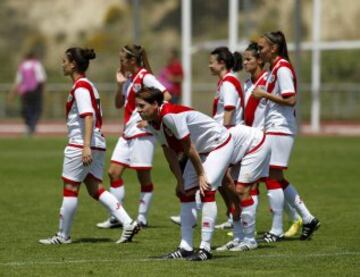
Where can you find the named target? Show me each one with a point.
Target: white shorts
(215, 165)
(73, 169)
(281, 147)
(253, 166)
(136, 153)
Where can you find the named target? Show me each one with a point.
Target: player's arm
(119, 96)
(259, 93)
(167, 96)
(228, 116)
(88, 132)
(231, 97)
(287, 89)
(193, 155)
(174, 166)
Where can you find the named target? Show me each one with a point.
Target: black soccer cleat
(178, 254)
(270, 237)
(200, 255)
(309, 228)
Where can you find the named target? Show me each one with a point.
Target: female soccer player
(135, 148)
(280, 126)
(255, 110)
(228, 105)
(208, 146)
(85, 152)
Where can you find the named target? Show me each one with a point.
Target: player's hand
(203, 184)
(86, 156)
(120, 77)
(142, 124)
(258, 93)
(179, 191)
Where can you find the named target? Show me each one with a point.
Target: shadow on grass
(92, 240)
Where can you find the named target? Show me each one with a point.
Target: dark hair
(139, 53)
(253, 47)
(151, 95)
(134, 51)
(278, 38)
(81, 57)
(232, 60)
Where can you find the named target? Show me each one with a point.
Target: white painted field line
(34, 263)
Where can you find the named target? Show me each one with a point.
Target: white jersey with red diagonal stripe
(180, 122)
(255, 109)
(84, 100)
(229, 96)
(281, 82)
(131, 117)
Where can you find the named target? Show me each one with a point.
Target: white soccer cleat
(231, 244)
(245, 245)
(57, 239)
(129, 232)
(111, 222)
(175, 219)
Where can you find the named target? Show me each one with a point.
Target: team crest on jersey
(137, 87)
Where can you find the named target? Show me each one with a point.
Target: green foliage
(31, 197)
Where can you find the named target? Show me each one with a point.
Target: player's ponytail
(232, 61)
(238, 62)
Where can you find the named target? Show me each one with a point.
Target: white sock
(276, 201)
(209, 213)
(293, 197)
(67, 212)
(188, 219)
(119, 193)
(145, 201)
(256, 200)
(291, 212)
(238, 230)
(248, 222)
(115, 208)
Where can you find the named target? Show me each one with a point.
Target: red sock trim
(99, 192)
(147, 188)
(247, 202)
(232, 210)
(272, 184)
(284, 183)
(117, 183)
(208, 197)
(70, 193)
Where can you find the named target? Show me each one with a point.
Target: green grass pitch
(325, 170)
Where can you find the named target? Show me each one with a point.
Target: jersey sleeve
(150, 81)
(230, 95)
(286, 82)
(177, 125)
(83, 102)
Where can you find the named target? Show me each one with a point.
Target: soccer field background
(325, 170)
